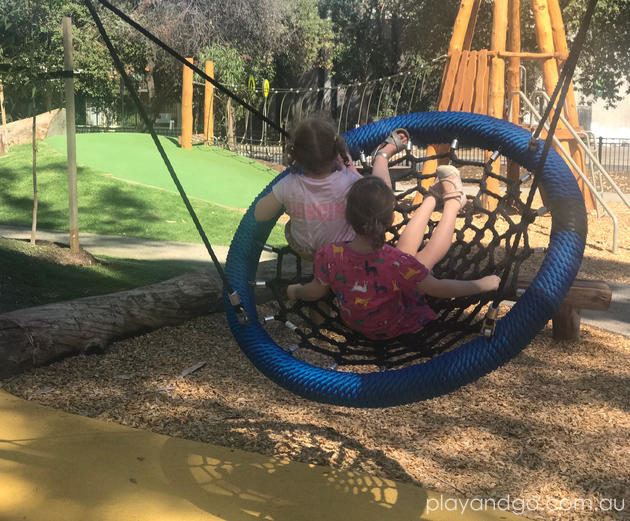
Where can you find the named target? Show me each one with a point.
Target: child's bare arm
(448, 288)
(267, 208)
(314, 290)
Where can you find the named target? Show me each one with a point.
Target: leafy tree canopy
(355, 40)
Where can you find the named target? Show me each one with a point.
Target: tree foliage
(31, 44)
(354, 40)
(604, 68)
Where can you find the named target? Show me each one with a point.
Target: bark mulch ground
(553, 423)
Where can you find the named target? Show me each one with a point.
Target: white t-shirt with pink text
(317, 207)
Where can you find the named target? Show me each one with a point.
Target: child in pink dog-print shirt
(380, 288)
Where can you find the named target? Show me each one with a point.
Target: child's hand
(489, 283)
(339, 162)
(292, 291)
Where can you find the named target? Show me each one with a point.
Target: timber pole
(461, 28)
(472, 23)
(561, 47)
(496, 92)
(187, 106)
(71, 140)
(5, 137)
(546, 43)
(514, 76)
(208, 105)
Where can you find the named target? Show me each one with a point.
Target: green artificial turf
(208, 173)
(32, 276)
(107, 205)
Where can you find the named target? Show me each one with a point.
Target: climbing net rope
(486, 242)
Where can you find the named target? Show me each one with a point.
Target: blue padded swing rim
(462, 365)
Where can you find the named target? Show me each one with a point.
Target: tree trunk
(34, 221)
(229, 119)
(4, 141)
(36, 336)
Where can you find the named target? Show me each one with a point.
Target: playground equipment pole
(461, 37)
(496, 93)
(208, 105)
(187, 106)
(71, 140)
(514, 76)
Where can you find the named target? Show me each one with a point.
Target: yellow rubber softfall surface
(56, 466)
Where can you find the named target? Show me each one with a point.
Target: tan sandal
(449, 174)
(392, 139)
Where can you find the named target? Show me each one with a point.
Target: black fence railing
(614, 154)
(162, 131)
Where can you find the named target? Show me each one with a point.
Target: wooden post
(480, 105)
(544, 37)
(472, 22)
(496, 94)
(460, 28)
(456, 45)
(71, 139)
(208, 105)
(469, 81)
(571, 112)
(187, 106)
(514, 76)
(5, 138)
(560, 45)
(546, 43)
(35, 200)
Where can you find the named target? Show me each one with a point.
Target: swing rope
(234, 296)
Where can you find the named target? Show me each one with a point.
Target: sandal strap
(393, 139)
(455, 194)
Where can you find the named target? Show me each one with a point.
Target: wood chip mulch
(553, 423)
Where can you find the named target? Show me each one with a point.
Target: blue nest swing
(467, 362)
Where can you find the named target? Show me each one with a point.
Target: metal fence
(614, 154)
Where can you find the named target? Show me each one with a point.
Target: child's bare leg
(412, 235)
(442, 236)
(380, 167)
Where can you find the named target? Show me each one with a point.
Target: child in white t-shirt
(315, 198)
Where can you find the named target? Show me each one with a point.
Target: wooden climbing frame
(475, 80)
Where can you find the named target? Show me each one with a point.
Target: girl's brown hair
(370, 208)
(315, 146)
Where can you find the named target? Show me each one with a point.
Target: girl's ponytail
(342, 150)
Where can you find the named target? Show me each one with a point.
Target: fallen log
(36, 336)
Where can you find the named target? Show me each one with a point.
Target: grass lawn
(208, 173)
(33, 275)
(111, 206)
